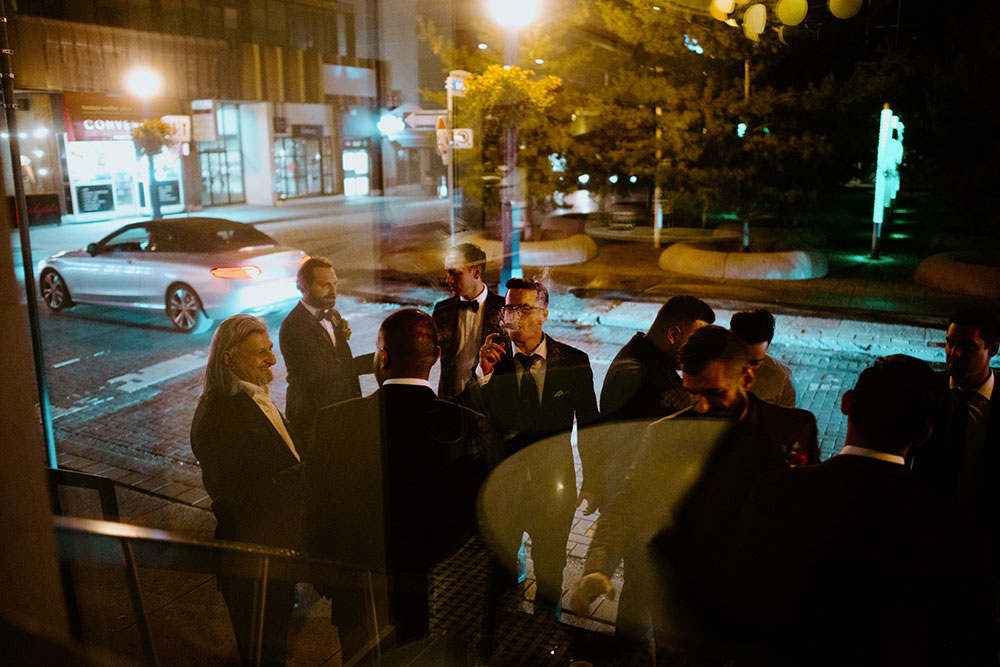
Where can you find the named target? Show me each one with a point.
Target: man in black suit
(644, 381)
(250, 467)
(852, 562)
(961, 460)
(313, 340)
(697, 525)
(391, 482)
(466, 318)
(532, 390)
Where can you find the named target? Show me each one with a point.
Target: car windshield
(209, 237)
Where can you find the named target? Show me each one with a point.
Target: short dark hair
(986, 321)
(472, 255)
(753, 326)
(522, 283)
(712, 343)
(893, 401)
(411, 337)
(305, 275)
(682, 309)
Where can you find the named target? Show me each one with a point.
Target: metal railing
(129, 547)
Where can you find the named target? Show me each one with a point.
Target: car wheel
(54, 291)
(184, 309)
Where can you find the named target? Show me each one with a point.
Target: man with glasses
(533, 388)
(772, 379)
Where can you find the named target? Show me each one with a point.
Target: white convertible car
(192, 269)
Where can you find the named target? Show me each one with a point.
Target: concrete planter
(708, 262)
(573, 250)
(962, 272)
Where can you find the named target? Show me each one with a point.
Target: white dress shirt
(470, 333)
(537, 369)
(327, 324)
(263, 400)
(853, 450)
(413, 382)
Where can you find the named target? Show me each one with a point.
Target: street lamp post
(512, 15)
(145, 84)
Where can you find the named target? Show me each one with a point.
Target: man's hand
(593, 502)
(490, 353)
(586, 590)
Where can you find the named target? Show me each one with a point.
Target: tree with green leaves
(150, 138)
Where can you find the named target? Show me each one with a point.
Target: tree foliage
(151, 137)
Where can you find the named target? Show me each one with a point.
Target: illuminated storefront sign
(107, 178)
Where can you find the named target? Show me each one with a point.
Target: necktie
(969, 453)
(528, 391)
(468, 305)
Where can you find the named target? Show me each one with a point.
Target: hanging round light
(844, 9)
(791, 12)
(755, 19)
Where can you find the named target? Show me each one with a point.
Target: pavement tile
(96, 468)
(174, 490)
(152, 484)
(191, 496)
(133, 478)
(116, 473)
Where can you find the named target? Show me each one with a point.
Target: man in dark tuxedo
(392, 479)
(466, 318)
(852, 561)
(961, 460)
(532, 390)
(250, 467)
(696, 528)
(644, 381)
(313, 340)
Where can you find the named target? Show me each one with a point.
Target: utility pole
(21, 215)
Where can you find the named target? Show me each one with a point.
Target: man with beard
(313, 340)
(758, 437)
(391, 482)
(466, 318)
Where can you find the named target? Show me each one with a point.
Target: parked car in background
(193, 269)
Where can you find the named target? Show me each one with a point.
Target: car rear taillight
(236, 272)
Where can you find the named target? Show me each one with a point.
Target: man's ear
(477, 272)
(437, 354)
(994, 348)
(746, 380)
(846, 401)
(674, 334)
(227, 359)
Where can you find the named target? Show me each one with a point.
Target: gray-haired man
(250, 467)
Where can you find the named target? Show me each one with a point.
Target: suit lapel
(259, 422)
(318, 332)
(552, 367)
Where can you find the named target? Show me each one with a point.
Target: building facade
(264, 97)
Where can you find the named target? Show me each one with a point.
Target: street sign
(443, 139)
(423, 118)
(461, 138)
(455, 87)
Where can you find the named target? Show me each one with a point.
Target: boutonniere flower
(346, 328)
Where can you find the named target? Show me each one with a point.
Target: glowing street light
(143, 82)
(146, 84)
(512, 15)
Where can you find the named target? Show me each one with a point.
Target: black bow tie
(325, 314)
(470, 305)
